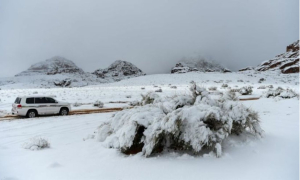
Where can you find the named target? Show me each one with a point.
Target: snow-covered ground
(131, 89)
(72, 155)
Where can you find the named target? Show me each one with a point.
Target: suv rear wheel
(64, 111)
(31, 114)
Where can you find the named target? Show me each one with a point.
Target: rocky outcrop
(63, 83)
(201, 65)
(119, 70)
(247, 69)
(227, 70)
(52, 66)
(180, 68)
(285, 63)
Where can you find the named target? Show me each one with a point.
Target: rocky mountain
(53, 72)
(52, 66)
(285, 63)
(61, 72)
(119, 70)
(202, 65)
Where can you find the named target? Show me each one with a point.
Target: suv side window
(40, 100)
(50, 100)
(30, 101)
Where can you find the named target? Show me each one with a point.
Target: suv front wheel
(64, 111)
(31, 114)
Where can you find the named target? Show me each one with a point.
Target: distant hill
(198, 64)
(285, 63)
(52, 66)
(61, 72)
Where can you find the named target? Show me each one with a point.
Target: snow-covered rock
(119, 70)
(36, 143)
(196, 64)
(52, 66)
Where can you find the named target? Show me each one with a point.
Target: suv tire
(31, 114)
(64, 111)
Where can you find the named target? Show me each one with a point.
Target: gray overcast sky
(151, 34)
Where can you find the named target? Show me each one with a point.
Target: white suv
(32, 106)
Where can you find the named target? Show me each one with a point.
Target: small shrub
(36, 143)
(287, 94)
(128, 96)
(173, 87)
(212, 88)
(240, 80)
(134, 103)
(148, 98)
(247, 90)
(99, 104)
(220, 81)
(282, 93)
(158, 90)
(230, 95)
(261, 80)
(224, 85)
(262, 87)
(234, 90)
(142, 88)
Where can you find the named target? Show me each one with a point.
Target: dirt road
(74, 112)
